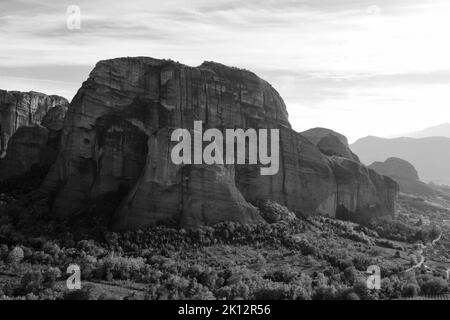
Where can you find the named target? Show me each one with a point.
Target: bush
(285, 275)
(410, 290)
(235, 291)
(352, 296)
(51, 248)
(122, 267)
(274, 212)
(16, 255)
(360, 288)
(89, 292)
(273, 291)
(4, 252)
(31, 282)
(50, 277)
(350, 274)
(434, 286)
(91, 248)
(324, 293)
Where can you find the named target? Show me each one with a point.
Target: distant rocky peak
(396, 167)
(330, 143)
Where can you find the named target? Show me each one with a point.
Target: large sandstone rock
(34, 144)
(330, 142)
(361, 190)
(116, 140)
(23, 108)
(405, 174)
(25, 148)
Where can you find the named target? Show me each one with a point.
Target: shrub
(273, 291)
(40, 257)
(274, 212)
(410, 290)
(122, 267)
(4, 252)
(89, 292)
(350, 274)
(91, 248)
(360, 288)
(351, 296)
(362, 262)
(434, 286)
(50, 277)
(31, 282)
(232, 292)
(27, 252)
(285, 275)
(16, 255)
(51, 248)
(324, 293)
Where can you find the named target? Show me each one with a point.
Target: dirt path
(422, 257)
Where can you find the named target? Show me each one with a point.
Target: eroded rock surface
(361, 190)
(330, 142)
(116, 140)
(34, 143)
(25, 148)
(23, 109)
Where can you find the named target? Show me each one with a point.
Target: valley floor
(305, 258)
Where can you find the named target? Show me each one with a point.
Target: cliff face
(30, 128)
(25, 148)
(116, 141)
(19, 109)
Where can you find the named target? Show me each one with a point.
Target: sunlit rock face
(116, 141)
(361, 190)
(21, 109)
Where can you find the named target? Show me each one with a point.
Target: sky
(359, 67)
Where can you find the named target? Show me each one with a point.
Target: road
(422, 257)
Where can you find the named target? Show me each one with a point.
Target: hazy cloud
(333, 61)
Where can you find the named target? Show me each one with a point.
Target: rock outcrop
(34, 144)
(25, 148)
(19, 109)
(330, 142)
(405, 175)
(116, 141)
(361, 190)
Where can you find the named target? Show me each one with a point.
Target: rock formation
(116, 141)
(405, 175)
(25, 148)
(34, 144)
(23, 108)
(359, 189)
(330, 142)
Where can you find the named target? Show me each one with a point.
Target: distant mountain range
(429, 155)
(442, 130)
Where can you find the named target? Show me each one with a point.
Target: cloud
(331, 60)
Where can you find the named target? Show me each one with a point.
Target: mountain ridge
(429, 155)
